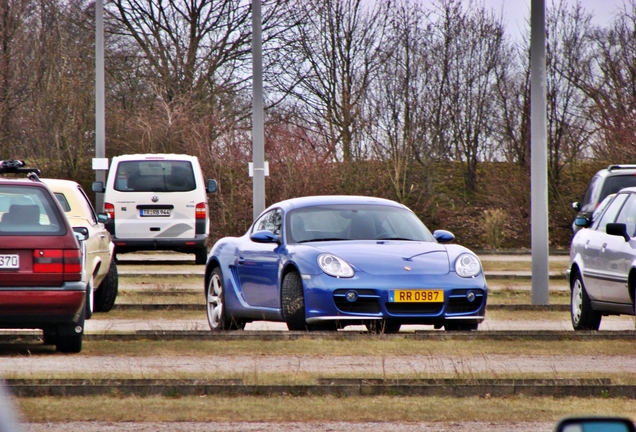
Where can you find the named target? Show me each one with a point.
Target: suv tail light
(109, 209)
(66, 261)
(199, 212)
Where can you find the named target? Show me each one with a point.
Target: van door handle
(241, 261)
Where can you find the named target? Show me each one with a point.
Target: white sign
(265, 168)
(100, 163)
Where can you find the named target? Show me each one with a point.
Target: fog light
(78, 329)
(470, 296)
(351, 296)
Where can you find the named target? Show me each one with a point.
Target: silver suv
(602, 269)
(605, 182)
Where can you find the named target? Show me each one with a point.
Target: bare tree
(193, 59)
(474, 40)
(14, 35)
(610, 83)
(55, 124)
(329, 61)
(568, 51)
(513, 91)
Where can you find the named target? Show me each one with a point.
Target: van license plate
(416, 296)
(155, 212)
(9, 261)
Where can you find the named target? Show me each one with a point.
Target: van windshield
(155, 176)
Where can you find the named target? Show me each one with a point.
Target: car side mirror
(264, 237)
(98, 187)
(576, 206)
(443, 236)
(81, 233)
(582, 222)
(595, 424)
(211, 186)
(617, 229)
(102, 217)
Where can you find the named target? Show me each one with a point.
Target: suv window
(26, 210)
(610, 214)
(614, 184)
(155, 176)
(593, 191)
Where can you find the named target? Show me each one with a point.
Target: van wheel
(106, 293)
(201, 256)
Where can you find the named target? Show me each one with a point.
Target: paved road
(130, 265)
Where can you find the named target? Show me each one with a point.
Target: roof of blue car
(333, 199)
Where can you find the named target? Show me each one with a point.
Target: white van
(157, 202)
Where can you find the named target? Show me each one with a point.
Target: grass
(315, 409)
(367, 347)
(508, 294)
(492, 266)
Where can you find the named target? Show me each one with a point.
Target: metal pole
(539, 156)
(258, 135)
(100, 122)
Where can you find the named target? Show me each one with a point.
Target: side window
(88, 207)
(610, 214)
(628, 215)
(63, 201)
(272, 221)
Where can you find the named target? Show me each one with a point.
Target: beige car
(101, 270)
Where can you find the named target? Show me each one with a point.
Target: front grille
(414, 308)
(368, 302)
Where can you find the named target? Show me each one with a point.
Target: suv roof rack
(17, 167)
(616, 167)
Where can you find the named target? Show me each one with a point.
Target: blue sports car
(325, 262)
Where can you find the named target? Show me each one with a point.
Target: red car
(41, 260)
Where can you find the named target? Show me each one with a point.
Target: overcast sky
(517, 12)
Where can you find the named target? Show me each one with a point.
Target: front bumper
(464, 299)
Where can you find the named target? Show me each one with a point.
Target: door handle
(603, 247)
(241, 261)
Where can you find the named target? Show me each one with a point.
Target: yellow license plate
(416, 296)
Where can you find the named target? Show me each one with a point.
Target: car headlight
(334, 266)
(467, 265)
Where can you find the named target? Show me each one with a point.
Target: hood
(386, 257)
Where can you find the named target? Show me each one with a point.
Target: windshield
(355, 222)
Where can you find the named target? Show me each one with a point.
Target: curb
(601, 388)
(430, 335)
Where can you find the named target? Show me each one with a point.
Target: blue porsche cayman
(325, 262)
